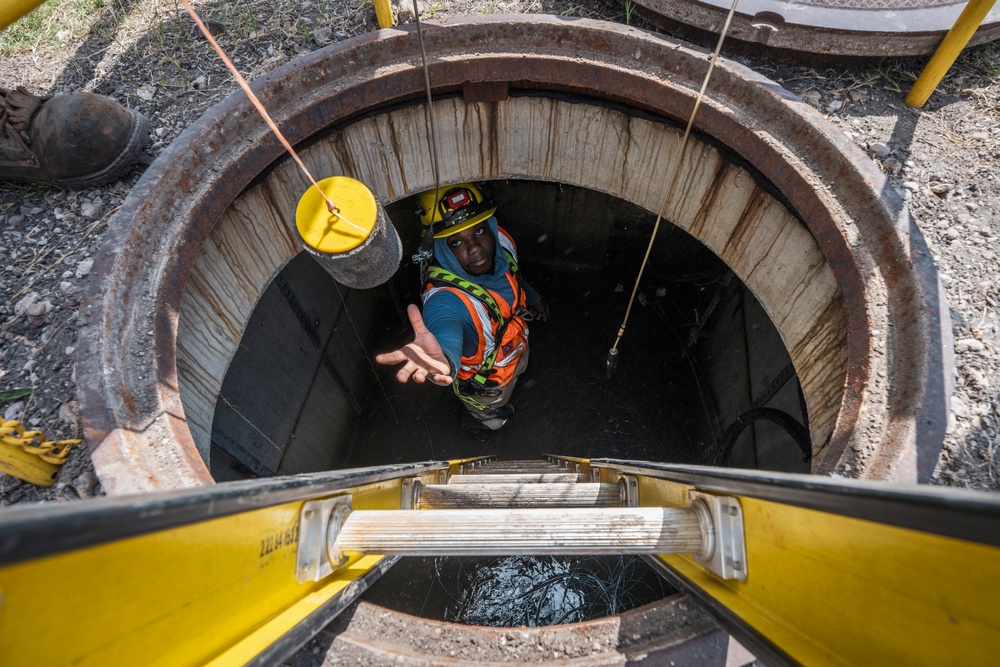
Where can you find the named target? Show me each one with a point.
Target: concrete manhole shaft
(807, 222)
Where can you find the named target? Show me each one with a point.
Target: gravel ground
(944, 159)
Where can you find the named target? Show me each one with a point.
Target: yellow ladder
(800, 569)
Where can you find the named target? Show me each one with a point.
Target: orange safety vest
(491, 365)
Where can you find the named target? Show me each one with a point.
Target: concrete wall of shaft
(838, 265)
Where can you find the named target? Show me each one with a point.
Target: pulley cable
(612, 360)
(426, 250)
(245, 87)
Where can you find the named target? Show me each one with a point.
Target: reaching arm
(535, 304)
(422, 359)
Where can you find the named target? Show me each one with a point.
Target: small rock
(146, 94)
(912, 186)
(323, 36)
(84, 267)
(835, 105)
(972, 206)
(38, 308)
(892, 165)
(199, 82)
(14, 411)
(70, 350)
(970, 345)
(958, 407)
(85, 484)
(978, 379)
(22, 305)
(880, 150)
(939, 188)
(63, 35)
(91, 210)
(69, 412)
(67, 287)
(813, 97)
(952, 233)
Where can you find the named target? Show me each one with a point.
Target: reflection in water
(519, 590)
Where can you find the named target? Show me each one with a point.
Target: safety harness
(477, 384)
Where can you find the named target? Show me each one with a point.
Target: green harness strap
(441, 277)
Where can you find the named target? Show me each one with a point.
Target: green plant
(629, 6)
(14, 394)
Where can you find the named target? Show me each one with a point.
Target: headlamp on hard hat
(458, 208)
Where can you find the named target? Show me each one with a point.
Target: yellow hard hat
(457, 208)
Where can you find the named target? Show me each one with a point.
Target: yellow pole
(383, 12)
(942, 60)
(12, 10)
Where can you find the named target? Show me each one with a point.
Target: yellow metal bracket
(29, 455)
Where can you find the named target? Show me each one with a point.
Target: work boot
(80, 140)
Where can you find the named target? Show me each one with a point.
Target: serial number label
(275, 541)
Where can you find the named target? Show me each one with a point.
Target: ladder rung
(519, 465)
(472, 496)
(522, 478)
(567, 532)
(490, 468)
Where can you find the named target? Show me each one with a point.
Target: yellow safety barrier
(942, 60)
(29, 455)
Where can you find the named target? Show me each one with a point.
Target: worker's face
(474, 249)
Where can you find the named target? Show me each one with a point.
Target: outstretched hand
(423, 357)
(539, 312)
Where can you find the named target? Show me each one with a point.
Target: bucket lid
(357, 213)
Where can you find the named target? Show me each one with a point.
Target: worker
(474, 297)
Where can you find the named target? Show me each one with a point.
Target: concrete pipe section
(794, 209)
(819, 32)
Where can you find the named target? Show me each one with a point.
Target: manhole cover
(820, 32)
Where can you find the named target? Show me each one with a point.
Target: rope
(674, 171)
(428, 116)
(424, 252)
(263, 113)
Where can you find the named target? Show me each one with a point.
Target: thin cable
(429, 118)
(675, 170)
(263, 112)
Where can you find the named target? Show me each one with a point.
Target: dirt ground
(943, 159)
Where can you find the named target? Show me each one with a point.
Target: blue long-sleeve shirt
(447, 317)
